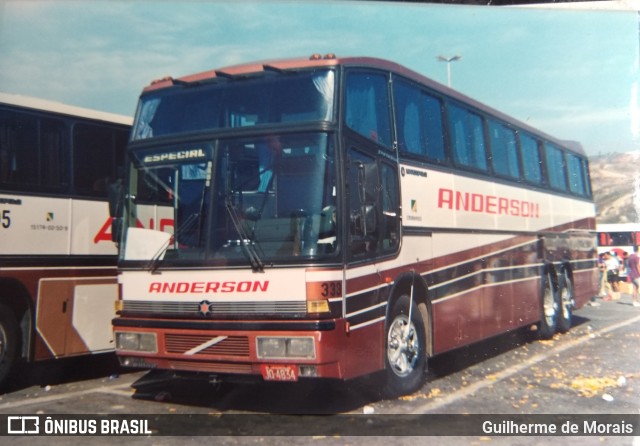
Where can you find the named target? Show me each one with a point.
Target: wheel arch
(402, 286)
(15, 296)
(550, 270)
(566, 268)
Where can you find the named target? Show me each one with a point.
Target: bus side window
(531, 161)
(52, 150)
(20, 151)
(363, 181)
(467, 138)
(367, 108)
(419, 122)
(504, 153)
(576, 179)
(390, 222)
(32, 152)
(556, 165)
(94, 159)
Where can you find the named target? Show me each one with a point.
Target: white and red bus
(333, 217)
(618, 237)
(57, 257)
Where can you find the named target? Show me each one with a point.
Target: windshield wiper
(245, 239)
(158, 257)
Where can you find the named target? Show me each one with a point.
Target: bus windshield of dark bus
(270, 98)
(256, 200)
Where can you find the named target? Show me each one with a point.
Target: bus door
(372, 207)
(373, 214)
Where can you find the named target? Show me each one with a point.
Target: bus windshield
(270, 98)
(240, 201)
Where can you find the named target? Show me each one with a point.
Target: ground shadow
(62, 371)
(308, 396)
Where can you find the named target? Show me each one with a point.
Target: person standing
(633, 263)
(613, 266)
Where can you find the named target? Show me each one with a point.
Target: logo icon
(23, 425)
(205, 307)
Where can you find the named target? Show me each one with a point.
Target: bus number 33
(331, 289)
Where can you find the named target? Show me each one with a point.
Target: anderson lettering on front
(249, 286)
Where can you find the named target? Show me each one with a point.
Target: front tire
(405, 349)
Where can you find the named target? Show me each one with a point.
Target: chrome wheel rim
(402, 346)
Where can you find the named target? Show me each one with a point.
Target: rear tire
(405, 349)
(567, 302)
(9, 338)
(550, 308)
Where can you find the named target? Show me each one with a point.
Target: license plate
(279, 372)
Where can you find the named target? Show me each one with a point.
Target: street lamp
(448, 60)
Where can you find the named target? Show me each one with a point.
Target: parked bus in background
(618, 237)
(334, 217)
(57, 257)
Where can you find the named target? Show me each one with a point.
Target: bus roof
(63, 109)
(330, 60)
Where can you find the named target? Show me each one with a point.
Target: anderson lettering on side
(487, 204)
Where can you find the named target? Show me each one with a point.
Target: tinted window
(504, 153)
(587, 178)
(97, 154)
(577, 182)
(32, 152)
(390, 223)
(419, 122)
(367, 108)
(531, 162)
(555, 166)
(362, 178)
(294, 97)
(467, 138)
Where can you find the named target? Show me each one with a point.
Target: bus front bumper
(275, 350)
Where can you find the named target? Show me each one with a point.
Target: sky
(571, 73)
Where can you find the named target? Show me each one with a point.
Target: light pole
(448, 60)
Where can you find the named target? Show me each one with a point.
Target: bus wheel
(405, 361)
(567, 301)
(8, 341)
(550, 309)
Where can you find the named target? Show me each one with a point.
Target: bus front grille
(230, 346)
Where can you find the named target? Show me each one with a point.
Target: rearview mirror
(116, 204)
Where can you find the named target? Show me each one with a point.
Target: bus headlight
(286, 348)
(136, 342)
